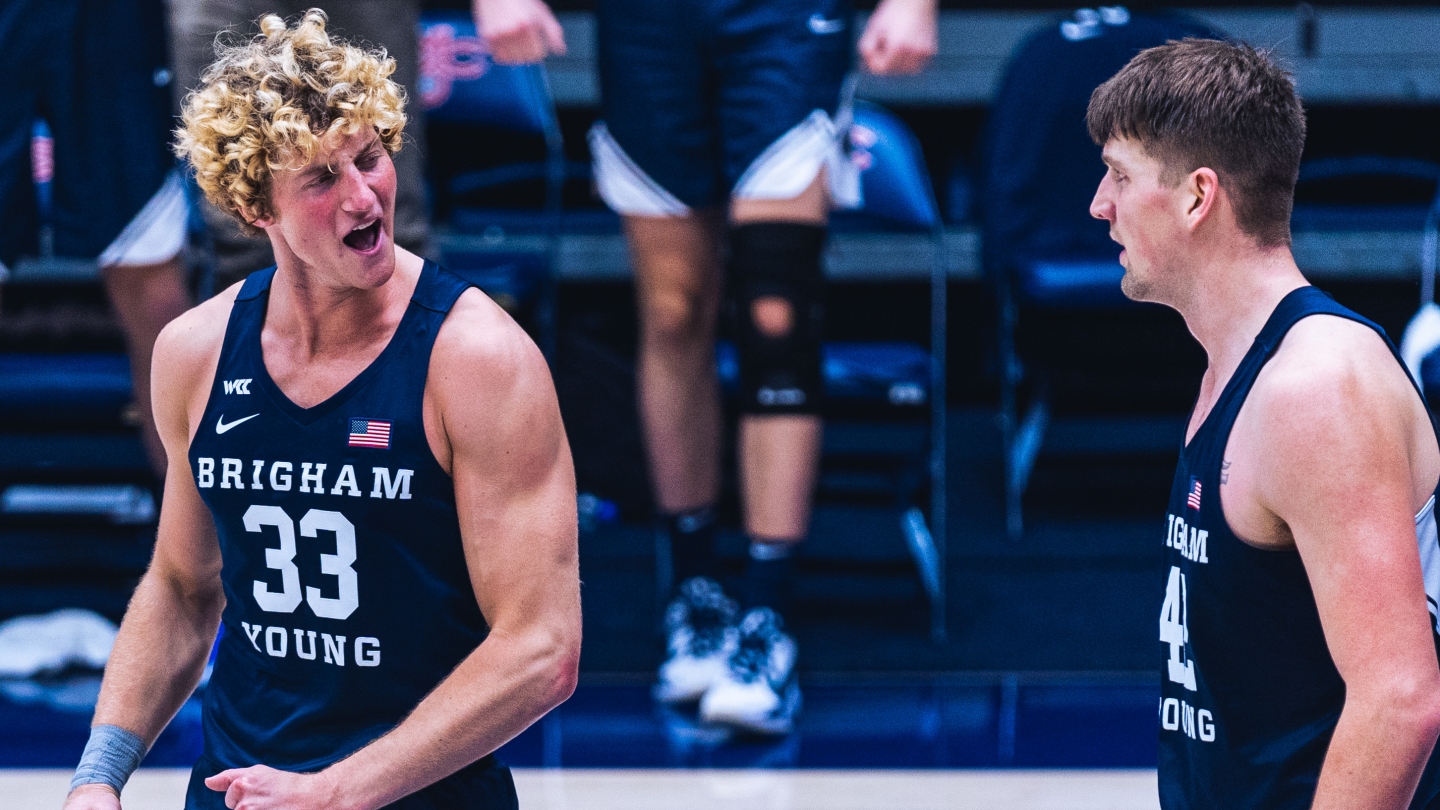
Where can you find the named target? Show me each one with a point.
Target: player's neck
(319, 316)
(1232, 295)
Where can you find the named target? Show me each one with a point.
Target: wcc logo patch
(238, 386)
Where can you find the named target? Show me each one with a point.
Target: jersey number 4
(1175, 630)
(282, 559)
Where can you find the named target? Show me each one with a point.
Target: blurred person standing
(95, 72)
(388, 24)
(719, 147)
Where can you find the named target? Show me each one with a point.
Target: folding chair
(1042, 250)
(461, 85)
(893, 380)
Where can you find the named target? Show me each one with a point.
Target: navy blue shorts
(695, 91)
(95, 70)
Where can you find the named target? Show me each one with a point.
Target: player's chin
(371, 268)
(1134, 287)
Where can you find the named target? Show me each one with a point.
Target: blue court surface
(924, 722)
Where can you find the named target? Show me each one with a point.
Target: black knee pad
(779, 374)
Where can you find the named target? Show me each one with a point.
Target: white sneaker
(700, 624)
(758, 692)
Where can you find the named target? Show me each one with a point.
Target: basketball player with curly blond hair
(370, 485)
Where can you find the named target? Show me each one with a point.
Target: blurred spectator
(95, 72)
(720, 149)
(389, 24)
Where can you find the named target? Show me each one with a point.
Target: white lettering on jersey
(300, 636)
(252, 631)
(1177, 715)
(280, 483)
(388, 483)
(230, 471)
(334, 649)
(367, 652)
(327, 648)
(346, 481)
(306, 477)
(1188, 540)
(401, 483)
(272, 647)
(237, 386)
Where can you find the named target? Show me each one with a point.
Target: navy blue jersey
(347, 593)
(1250, 695)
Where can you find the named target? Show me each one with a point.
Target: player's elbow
(564, 677)
(1412, 705)
(1426, 706)
(558, 665)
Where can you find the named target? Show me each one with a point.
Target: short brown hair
(1222, 105)
(265, 104)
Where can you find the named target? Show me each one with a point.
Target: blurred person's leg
(118, 197)
(146, 297)
(656, 160)
(677, 288)
(391, 24)
(779, 447)
(782, 69)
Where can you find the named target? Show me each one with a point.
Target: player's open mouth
(364, 239)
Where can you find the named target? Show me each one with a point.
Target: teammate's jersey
(347, 593)
(1250, 695)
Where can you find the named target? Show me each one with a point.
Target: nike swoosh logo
(221, 427)
(820, 25)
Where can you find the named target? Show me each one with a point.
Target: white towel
(34, 645)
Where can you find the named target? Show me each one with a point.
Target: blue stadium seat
(461, 85)
(82, 390)
(1328, 192)
(1041, 248)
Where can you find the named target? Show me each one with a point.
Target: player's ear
(1201, 194)
(261, 222)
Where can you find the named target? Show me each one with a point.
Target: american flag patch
(1193, 499)
(369, 433)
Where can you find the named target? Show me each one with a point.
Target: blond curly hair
(267, 104)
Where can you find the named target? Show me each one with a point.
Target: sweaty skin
(1332, 454)
(488, 396)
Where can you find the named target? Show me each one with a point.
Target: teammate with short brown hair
(1299, 662)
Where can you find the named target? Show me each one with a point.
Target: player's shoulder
(1332, 367)
(191, 343)
(481, 346)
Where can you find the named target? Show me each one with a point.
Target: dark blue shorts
(694, 91)
(95, 70)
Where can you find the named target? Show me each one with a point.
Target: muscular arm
(491, 400)
(171, 621)
(1337, 433)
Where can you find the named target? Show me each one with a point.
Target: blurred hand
(901, 37)
(260, 788)
(518, 32)
(92, 797)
